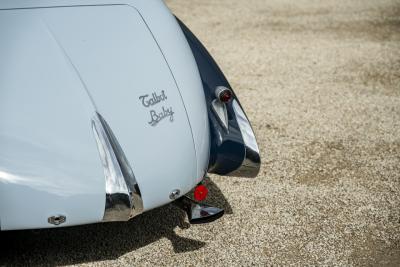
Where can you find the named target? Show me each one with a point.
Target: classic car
(108, 109)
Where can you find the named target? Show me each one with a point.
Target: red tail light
(223, 94)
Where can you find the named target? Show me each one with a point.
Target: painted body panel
(63, 64)
(49, 162)
(122, 68)
(173, 44)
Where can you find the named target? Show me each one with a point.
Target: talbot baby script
(154, 99)
(157, 115)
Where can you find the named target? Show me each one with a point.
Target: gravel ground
(320, 81)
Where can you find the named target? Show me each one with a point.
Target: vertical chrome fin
(123, 197)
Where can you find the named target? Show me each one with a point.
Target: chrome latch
(175, 194)
(57, 220)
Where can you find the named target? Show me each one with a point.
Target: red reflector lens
(225, 96)
(200, 193)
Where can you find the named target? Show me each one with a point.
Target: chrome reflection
(123, 197)
(220, 110)
(251, 163)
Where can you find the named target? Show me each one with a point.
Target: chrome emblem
(157, 115)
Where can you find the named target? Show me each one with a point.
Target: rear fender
(234, 150)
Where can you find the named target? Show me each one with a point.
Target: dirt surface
(320, 81)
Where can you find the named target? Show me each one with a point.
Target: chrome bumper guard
(198, 213)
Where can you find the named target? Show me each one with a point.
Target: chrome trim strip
(251, 164)
(123, 197)
(220, 110)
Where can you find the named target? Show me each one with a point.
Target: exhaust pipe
(198, 213)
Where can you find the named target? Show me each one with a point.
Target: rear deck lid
(122, 70)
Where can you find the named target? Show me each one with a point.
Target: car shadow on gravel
(99, 242)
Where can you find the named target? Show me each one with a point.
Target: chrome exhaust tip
(198, 213)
